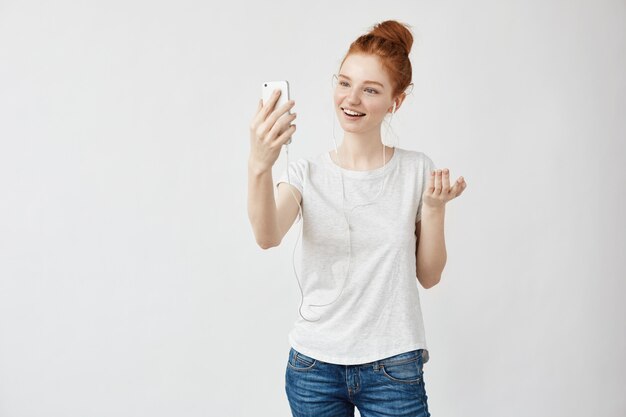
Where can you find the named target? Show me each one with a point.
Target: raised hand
(269, 130)
(438, 191)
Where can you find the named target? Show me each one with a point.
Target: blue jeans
(393, 386)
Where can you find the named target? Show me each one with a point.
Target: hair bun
(391, 42)
(395, 32)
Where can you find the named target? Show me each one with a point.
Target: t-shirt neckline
(371, 173)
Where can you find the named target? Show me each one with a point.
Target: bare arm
(430, 252)
(269, 130)
(270, 217)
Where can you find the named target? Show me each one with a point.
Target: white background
(130, 280)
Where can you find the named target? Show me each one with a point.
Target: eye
(371, 91)
(343, 83)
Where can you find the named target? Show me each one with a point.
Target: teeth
(352, 113)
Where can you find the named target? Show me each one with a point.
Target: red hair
(391, 42)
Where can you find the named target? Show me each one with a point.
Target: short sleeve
(294, 175)
(428, 167)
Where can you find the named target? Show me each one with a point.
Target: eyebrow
(366, 82)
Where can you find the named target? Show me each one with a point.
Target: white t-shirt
(378, 313)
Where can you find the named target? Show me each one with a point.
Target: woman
(363, 244)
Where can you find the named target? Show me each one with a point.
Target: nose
(353, 96)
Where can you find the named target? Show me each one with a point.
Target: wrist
(427, 210)
(257, 170)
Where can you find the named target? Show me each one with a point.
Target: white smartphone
(283, 86)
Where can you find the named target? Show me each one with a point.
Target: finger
(278, 117)
(271, 103)
(266, 125)
(254, 122)
(456, 189)
(445, 181)
(460, 186)
(268, 107)
(438, 181)
(285, 137)
(431, 182)
(281, 125)
(279, 112)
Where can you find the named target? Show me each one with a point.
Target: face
(364, 87)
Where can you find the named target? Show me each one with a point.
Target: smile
(352, 113)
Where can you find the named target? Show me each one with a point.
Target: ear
(398, 102)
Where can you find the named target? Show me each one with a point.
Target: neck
(362, 151)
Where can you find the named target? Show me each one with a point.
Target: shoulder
(417, 159)
(313, 163)
(299, 164)
(310, 160)
(306, 166)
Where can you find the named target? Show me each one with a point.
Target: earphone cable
(346, 217)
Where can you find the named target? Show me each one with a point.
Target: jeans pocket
(299, 361)
(405, 367)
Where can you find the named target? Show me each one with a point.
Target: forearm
(262, 207)
(431, 250)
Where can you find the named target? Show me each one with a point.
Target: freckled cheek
(338, 99)
(378, 108)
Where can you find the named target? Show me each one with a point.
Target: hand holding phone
(271, 126)
(269, 87)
